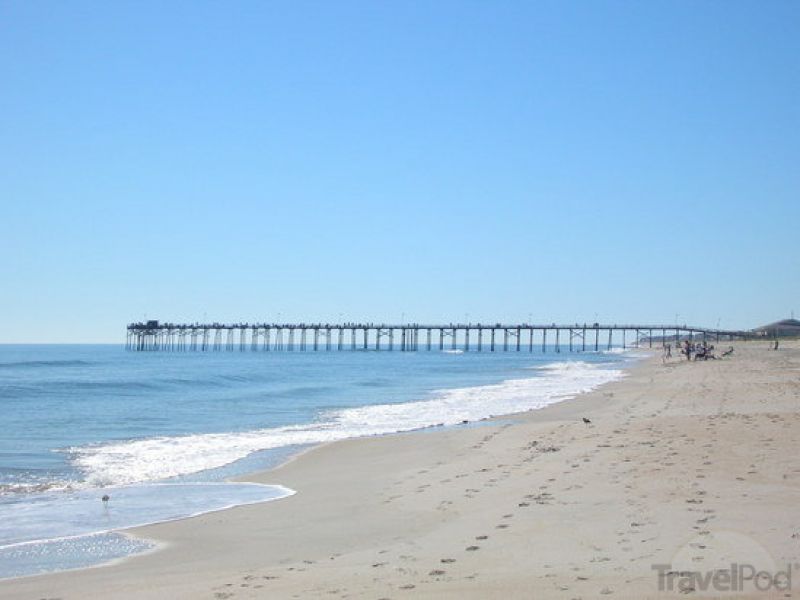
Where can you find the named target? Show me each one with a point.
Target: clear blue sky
(620, 161)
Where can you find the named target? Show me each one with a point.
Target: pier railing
(203, 337)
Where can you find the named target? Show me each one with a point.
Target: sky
(397, 160)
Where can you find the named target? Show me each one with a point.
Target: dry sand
(688, 464)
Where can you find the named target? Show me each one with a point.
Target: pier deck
(155, 336)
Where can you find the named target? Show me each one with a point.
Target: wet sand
(682, 464)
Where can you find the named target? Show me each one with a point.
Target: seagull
(585, 420)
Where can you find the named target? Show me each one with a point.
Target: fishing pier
(411, 337)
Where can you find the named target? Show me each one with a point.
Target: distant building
(785, 328)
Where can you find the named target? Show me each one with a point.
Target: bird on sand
(585, 420)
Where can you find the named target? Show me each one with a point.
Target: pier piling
(217, 337)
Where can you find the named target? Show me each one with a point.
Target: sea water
(161, 433)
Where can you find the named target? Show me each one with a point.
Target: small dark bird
(585, 420)
(105, 498)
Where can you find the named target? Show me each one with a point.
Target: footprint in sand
(472, 548)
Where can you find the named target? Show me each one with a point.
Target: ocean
(161, 434)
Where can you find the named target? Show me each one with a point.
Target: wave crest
(158, 458)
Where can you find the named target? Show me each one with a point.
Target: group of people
(695, 350)
(700, 351)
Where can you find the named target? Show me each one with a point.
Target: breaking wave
(159, 458)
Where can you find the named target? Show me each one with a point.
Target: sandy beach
(688, 465)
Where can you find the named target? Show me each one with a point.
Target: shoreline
(429, 502)
(286, 457)
(262, 473)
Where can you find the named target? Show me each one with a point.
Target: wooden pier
(468, 337)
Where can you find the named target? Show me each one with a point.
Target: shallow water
(70, 553)
(55, 515)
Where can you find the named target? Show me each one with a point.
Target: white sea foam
(618, 350)
(163, 457)
(639, 353)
